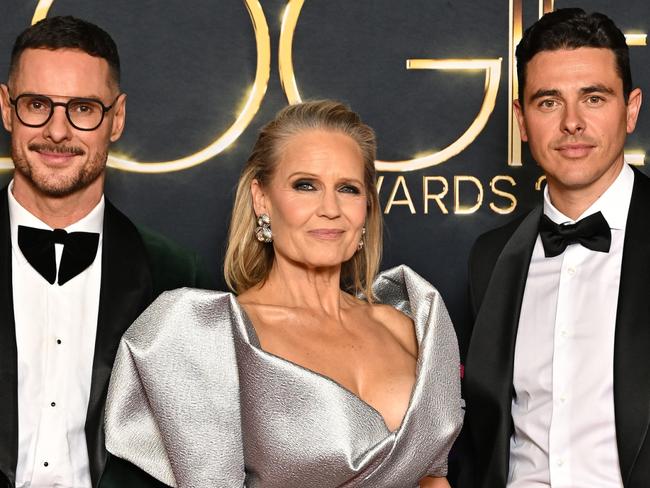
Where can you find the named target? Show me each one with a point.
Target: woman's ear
(259, 198)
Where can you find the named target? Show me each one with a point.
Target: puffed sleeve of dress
(172, 407)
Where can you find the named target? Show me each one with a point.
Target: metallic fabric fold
(194, 401)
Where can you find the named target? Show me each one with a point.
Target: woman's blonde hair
(249, 261)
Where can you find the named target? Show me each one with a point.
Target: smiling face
(57, 160)
(575, 119)
(316, 199)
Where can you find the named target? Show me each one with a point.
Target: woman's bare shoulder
(398, 324)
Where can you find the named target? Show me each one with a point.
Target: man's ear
(519, 113)
(119, 117)
(633, 108)
(5, 107)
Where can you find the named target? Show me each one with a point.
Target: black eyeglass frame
(53, 105)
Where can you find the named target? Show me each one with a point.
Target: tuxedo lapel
(632, 342)
(8, 352)
(126, 289)
(490, 359)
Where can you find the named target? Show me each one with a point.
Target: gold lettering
(253, 95)
(463, 209)
(516, 29)
(380, 181)
(538, 183)
(492, 68)
(501, 193)
(401, 181)
(437, 197)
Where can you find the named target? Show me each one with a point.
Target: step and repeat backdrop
(433, 78)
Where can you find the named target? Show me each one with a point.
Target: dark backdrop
(188, 66)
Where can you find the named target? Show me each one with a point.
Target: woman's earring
(263, 229)
(360, 245)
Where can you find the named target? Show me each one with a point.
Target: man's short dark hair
(67, 32)
(572, 28)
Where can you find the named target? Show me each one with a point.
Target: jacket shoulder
(483, 257)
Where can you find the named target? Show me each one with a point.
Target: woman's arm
(430, 482)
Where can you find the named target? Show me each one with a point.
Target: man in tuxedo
(74, 271)
(557, 376)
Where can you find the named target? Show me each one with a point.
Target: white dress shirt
(55, 337)
(563, 409)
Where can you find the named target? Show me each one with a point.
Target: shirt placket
(559, 432)
(46, 449)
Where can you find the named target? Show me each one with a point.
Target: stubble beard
(51, 183)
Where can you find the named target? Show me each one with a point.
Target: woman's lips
(327, 234)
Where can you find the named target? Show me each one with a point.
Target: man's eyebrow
(597, 88)
(552, 92)
(549, 92)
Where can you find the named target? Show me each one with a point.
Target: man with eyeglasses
(74, 271)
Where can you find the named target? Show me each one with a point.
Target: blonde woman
(317, 373)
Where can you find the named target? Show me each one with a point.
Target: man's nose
(58, 128)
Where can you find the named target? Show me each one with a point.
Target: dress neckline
(254, 341)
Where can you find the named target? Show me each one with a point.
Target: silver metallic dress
(195, 402)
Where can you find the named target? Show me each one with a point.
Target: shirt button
(560, 462)
(562, 399)
(46, 464)
(58, 341)
(53, 404)
(571, 271)
(563, 333)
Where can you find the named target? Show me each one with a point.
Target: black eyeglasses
(82, 113)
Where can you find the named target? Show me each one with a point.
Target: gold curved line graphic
(285, 54)
(635, 158)
(250, 107)
(634, 39)
(41, 10)
(492, 69)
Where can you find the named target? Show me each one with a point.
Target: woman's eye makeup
(350, 189)
(304, 185)
(311, 185)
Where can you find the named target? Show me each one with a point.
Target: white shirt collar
(18, 215)
(613, 204)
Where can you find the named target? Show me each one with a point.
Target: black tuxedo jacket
(498, 269)
(136, 267)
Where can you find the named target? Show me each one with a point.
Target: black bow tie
(592, 232)
(37, 245)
